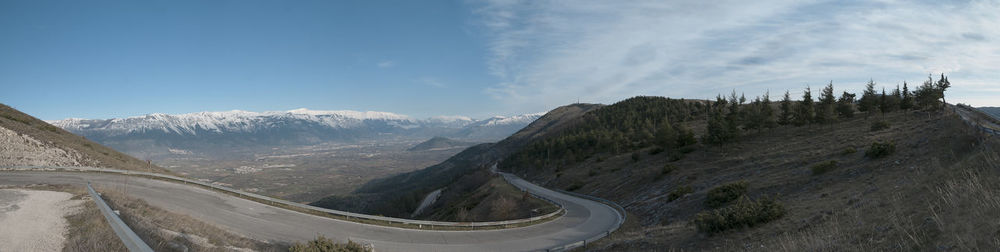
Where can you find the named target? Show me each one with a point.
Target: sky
(108, 59)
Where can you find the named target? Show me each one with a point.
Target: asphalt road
(583, 219)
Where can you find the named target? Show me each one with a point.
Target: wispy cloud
(549, 53)
(386, 64)
(433, 82)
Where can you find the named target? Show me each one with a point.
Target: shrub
(323, 244)
(878, 149)
(49, 127)
(879, 125)
(15, 119)
(686, 149)
(679, 192)
(848, 151)
(667, 169)
(720, 195)
(744, 213)
(674, 156)
(575, 186)
(824, 167)
(656, 150)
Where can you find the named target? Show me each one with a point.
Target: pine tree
(824, 112)
(926, 95)
(786, 110)
(906, 103)
(942, 85)
(754, 120)
(685, 136)
(868, 101)
(845, 105)
(892, 100)
(805, 111)
(666, 136)
(767, 112)
(882, 103)
(735, 104)
(718, 129)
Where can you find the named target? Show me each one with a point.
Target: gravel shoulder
(33, 220)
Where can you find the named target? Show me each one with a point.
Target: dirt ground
(33, 220)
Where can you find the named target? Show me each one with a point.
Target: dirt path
(34, 220)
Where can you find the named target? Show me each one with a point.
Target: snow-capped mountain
(236, 121)
(238, 129)
(497, 127)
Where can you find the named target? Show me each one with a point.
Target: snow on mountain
(367, 115)
(238, 121)
(512, 120)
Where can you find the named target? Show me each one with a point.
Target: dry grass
(165, 231)
(88, 231)
(495, 200)
(161, 230)
(323, 244)
(960, 213)
(924, 196)
(93, 154)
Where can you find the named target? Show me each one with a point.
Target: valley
(300, 155)
(499, 125)
(309, 173)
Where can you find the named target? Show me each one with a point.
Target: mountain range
(213, 131)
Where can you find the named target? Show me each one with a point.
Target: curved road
(584, 219)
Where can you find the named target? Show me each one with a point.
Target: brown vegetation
(166, 231)
(93, 154)
(887, 195)
(323, 244)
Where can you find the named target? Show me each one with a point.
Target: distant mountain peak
(366, 115)
(297, 126)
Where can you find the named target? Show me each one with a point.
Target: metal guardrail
(128, 237)
(618, 209)
(348, 215)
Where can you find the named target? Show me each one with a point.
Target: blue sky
(103, 59)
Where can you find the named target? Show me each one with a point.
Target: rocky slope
(25, 140)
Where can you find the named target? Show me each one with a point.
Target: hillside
(25, 140)
(864, 202)
(461, 176)
(436, 143)
(993, 111)
(913, 177)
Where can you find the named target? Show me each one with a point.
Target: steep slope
(439, 143)
(993, 111)
(907, 180)
(460, 175)
(25, 140)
